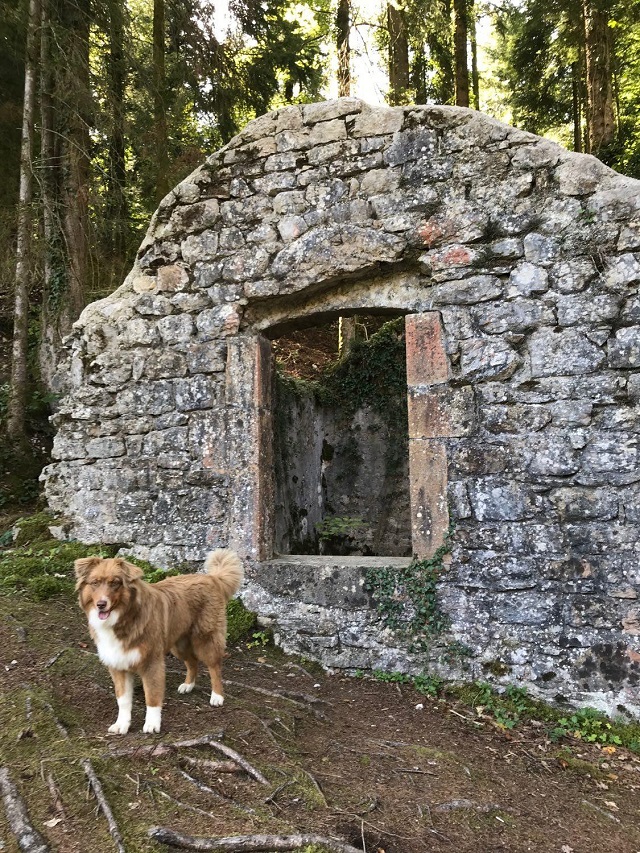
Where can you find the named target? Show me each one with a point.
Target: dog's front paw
(152, 721)
(119, 728)
(216, 699)
(185, 687)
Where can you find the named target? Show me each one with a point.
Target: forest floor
(373, 764)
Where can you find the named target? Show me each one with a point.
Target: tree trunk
(460, 52)
(343, 27)
(475, 74)
(19, 376)
(159, 101)
(440, 44)
(75, 100)
(577, 117)
(49, 337)
(116, 208)
(398, 54)
(597, 39)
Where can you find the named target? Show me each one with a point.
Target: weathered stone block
(428, 492)
(427, 362)
(581, 504)
(483, 359)
(528, 279)
(624, 349)
(441, 413)
(175, 329)
(555, 354)
(495, 501)
(587, 308)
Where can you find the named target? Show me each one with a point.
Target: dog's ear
(131, 572)
(83, 567)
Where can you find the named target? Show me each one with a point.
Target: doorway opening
(340, 439)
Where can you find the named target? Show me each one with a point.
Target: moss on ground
(38, 567)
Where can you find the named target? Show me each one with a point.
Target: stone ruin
(516, 265)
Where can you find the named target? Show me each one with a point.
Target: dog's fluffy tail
(226, 568)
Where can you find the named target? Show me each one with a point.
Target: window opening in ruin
(340, 444)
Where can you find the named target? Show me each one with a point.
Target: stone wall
(525, 423)
(332, 464)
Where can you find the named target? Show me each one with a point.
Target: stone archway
(528, 255)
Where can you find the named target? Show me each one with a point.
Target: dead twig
(418, 772)
(316, 786)
(248, 843)
(29, 839)
(213, 793)
(301, 669)
(59, 726)
(266, 728)
(234, 756)
(187, 806)
(52, 660)
(104, 805)
(281, 695)
(56, 797)
(272, 796)
(373, 826)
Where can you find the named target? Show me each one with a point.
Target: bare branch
(248, 843)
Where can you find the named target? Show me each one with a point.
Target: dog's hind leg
(217, 691)
(184, 650)
(210, 650)
(153, 678)
(123, 683)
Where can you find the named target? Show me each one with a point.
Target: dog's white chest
(110, 650)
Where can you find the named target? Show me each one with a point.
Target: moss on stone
(239, 621)
(33, 528)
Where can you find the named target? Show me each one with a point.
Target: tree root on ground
(104, 805)
(29, 839)
(248, 843)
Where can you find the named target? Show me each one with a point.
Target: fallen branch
(211, 766)
(29, 839)
(156, 750)
(56, 797)
(213, 793)
(234, 756)
(248, 843)
(104, 805)
(282, 695)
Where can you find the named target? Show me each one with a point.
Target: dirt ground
(373, 764)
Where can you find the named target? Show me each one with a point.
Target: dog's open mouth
(104, 614)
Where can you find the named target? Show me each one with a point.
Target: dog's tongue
(102, 614)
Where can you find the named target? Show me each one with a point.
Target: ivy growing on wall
(407, 598)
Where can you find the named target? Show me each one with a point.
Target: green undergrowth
(36, 566)
(514, 708)
(427, 685)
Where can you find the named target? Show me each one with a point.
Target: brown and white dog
(134, 624)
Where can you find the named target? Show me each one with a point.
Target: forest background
(105, 105)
